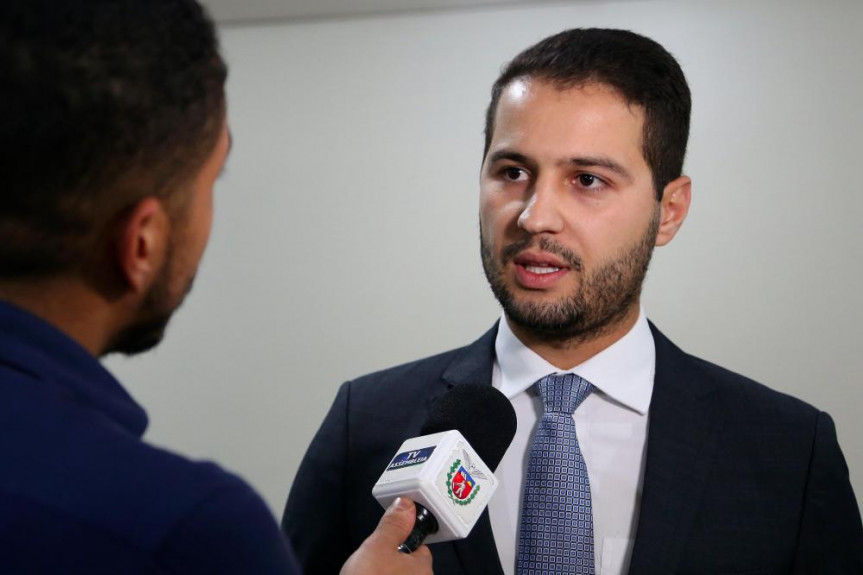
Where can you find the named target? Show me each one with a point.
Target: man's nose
(541, 212)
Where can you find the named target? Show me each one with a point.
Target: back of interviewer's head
(103, 103)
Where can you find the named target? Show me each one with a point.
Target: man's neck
(566, 354)
(67, 304)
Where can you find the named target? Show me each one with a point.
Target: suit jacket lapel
(478, 552)
(475, 363)
(682, 435)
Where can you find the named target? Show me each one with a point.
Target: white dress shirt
(611, 425)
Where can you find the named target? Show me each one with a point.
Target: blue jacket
(80, 492)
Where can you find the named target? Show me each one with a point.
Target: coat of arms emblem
(462, 488)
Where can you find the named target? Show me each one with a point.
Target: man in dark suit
(114, 131)
(663, 463)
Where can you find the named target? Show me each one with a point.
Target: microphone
(447, 471)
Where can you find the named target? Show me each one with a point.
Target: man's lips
(538, 270)
(539, 260)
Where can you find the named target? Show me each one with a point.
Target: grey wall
(345, 237)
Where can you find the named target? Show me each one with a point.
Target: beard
(148, 328)
(602, 298)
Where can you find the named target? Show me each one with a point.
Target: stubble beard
(148, 329)
(596, 306)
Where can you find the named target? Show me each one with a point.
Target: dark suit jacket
(738, 479)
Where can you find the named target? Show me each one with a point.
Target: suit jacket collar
(474, 365)
(682, 436)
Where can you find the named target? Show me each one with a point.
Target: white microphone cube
(444, 474)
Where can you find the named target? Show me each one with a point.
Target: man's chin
(545, 320)
(139, 338)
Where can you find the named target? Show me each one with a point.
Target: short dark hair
(640, 69)
(103, 103)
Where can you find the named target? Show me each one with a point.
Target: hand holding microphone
(378, 555)
(447, 471)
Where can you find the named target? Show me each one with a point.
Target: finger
(397, 522)
(423, 554)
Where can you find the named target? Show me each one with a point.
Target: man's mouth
(539, 262)
(541, 269)
(538, 270)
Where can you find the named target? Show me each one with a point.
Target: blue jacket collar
(35, 347)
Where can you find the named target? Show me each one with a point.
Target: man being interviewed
(631, 456)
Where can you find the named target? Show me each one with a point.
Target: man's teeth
(541, 269)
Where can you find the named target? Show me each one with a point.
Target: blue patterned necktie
(556, 517)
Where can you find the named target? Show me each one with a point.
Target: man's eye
(588, 180)
(514, 174)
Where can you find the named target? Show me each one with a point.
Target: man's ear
(673, 208)
(142, 240)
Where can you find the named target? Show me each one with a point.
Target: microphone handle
(425, 525)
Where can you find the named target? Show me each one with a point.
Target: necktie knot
(563, 393)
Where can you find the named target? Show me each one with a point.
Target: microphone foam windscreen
(481, 413)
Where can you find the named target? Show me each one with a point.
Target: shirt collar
(623, 371)
(58, 362)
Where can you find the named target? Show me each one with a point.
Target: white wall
(346, 237)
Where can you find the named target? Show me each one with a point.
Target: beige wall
(345, 237)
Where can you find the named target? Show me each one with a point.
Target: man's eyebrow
(508, 155)
(594, 162)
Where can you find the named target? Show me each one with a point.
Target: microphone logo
(461, 487)
(410, 458)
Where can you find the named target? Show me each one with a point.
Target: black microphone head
(481, 413)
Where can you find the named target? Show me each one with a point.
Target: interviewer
(113, 134)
